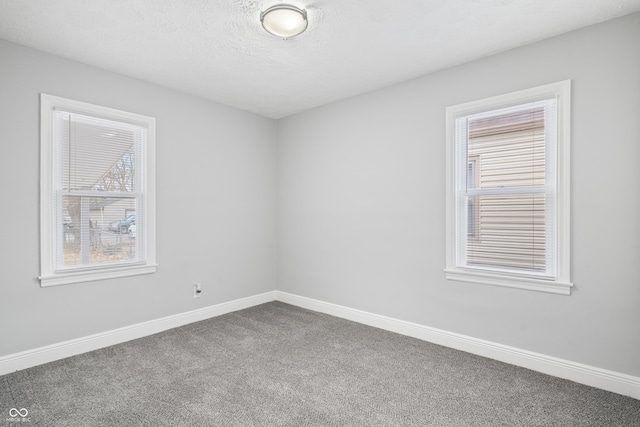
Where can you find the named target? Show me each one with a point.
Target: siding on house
(507, 151)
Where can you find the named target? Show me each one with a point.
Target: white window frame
(560, 283)
(48, 274)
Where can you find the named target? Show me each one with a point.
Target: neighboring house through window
(508, 190)
(97, 182)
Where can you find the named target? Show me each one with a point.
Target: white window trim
(561, 284)
(48, 275)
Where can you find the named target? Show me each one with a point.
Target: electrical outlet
(197, 290)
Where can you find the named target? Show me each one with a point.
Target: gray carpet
(280, 365)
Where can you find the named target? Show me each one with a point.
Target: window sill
(68, 278)
(529, 283)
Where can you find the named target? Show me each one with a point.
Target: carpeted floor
(280, 365)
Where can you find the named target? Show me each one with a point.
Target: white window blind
(97, 200)
(505, 200)
(508, 190)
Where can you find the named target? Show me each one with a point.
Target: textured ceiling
(218, 50)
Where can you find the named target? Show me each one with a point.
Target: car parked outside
(122, 226)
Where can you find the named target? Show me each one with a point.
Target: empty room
(320, 213)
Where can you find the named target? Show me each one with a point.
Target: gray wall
(215, 204)
(358, 189)
(361, 192)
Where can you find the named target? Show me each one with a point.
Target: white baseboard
(38, 356)
(595, 377)
(601, 378)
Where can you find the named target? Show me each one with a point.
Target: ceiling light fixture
(284, 20)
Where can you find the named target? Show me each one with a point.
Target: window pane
(508, 149)
(509, 232)
(97, 154)
(97, 231)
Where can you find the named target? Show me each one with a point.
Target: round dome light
(284, 20)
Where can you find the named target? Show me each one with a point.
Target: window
(508, 190)
(97, 192)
